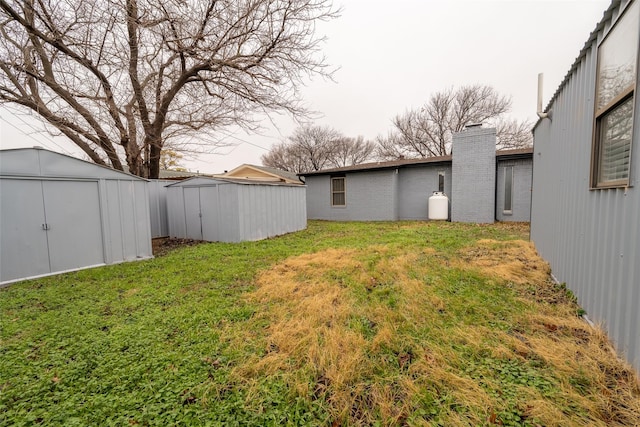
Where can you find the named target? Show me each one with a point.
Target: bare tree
(347, 151)
(313, 148)
(122, 78)
(512, 133)
(286, 157)
(427, 132)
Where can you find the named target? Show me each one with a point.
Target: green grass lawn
(402, 323)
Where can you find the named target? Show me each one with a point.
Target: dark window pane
(338, 184)
(338, 199)
(441, 182)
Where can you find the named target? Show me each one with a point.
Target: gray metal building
(225, 210)
(585, 217)
(400, 190)
(58, 213)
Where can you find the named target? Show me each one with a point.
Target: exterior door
(72, 210)
(192, 214)
(23, 239)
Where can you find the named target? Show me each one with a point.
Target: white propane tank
(439, 206)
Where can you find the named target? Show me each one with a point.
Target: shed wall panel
(127, 214)
(590, 237)
(231, 222)
(115, 226)
(176, 213)
(158, 207)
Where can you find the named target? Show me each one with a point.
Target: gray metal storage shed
(59, 213)
(225, 210)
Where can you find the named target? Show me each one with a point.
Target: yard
(341, 324)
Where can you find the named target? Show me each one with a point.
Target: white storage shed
(226, 210)
(59, 213)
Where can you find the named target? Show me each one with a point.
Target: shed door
(192, 214)
(72, 209)
(23, 240)
(209, 208)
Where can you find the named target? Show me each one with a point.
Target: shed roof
(515, 153)
(40, 162)
(202, 180)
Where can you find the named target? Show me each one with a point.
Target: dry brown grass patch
(513, 260)
(330, 334)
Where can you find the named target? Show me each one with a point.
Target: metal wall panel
(589, 237)
(175, 213)
(158, 207)
(267, 211)
(234, 212)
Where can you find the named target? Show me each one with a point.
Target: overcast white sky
(392, 54)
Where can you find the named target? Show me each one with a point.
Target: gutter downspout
(540, 112)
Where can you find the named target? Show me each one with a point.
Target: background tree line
(423, 132)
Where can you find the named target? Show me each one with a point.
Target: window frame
(509, 211)
(441, 183)
(333, 192)
(599, 115)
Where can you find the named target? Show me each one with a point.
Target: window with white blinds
(616, 82)
(338, 192)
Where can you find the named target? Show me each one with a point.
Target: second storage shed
(226, 210)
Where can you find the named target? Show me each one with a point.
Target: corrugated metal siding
(589, 237)
(370, 196)
(233, 212)
(158, 207)
(521, 190)
(267, 211)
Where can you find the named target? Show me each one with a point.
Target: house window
(508, 189)
(338, 192)
(616, 81)
(441, 182)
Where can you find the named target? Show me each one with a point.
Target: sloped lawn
(405, 323)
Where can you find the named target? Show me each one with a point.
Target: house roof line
(225, 180)
(278, 174)
(518, 152)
